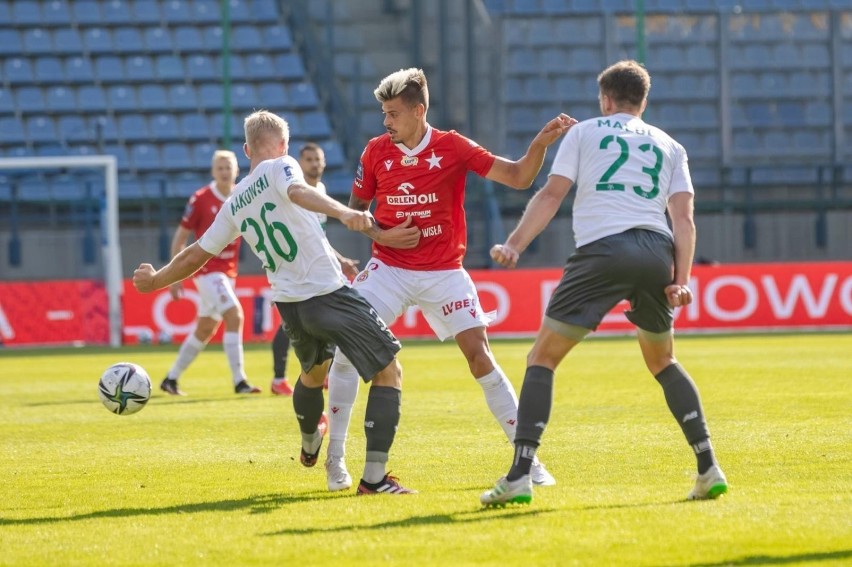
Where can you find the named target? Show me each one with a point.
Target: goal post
(110, 244)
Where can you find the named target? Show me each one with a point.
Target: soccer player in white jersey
(416, 176)
(628, 173)
(274, 210)
(215, 281)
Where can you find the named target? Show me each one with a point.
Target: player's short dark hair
(407, 84)
(309, 147)
(625, 82)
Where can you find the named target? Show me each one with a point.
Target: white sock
(233, 345)
(501, 399)
(189, 349)
(342, 391)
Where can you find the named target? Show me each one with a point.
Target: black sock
(381, 419)
(280, 344)
(685, 404)
(533, 414)
(308, 404)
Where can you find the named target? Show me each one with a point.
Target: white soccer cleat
(710, 485)
(508, 492)
(336, 474)
(540, 476)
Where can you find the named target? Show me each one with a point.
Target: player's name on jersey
(246, 196)
(619, 126)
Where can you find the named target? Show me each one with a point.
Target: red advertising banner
(801, 296)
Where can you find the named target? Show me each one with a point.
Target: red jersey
(426, 183)
(198, 215)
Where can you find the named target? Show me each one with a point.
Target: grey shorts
(341, 318)
(635, 265)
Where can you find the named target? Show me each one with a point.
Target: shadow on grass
(255, 505)
(781, 559)
(155, 399)
(479, 515)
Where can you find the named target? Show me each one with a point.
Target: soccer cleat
(281, 387)
(509, 492)
(245, 388)
(336, 474)
(170, 387)
(540, 476)
(388, 485)
(710, 485)
(310, 459)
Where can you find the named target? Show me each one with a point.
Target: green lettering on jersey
(247, 195)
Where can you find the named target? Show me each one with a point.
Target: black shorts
(341, 318)
(636, 265)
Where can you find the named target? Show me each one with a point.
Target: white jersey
(625, 171)
(288, 239)
(322, 218)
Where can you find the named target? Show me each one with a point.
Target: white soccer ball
(124, 388)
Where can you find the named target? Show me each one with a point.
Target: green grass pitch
(214, 478)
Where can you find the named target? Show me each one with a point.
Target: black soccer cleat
(245, 388)
(170, 387)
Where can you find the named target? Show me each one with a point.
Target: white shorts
(215, 294)
(447, 298)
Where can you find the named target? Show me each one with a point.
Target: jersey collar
(427, 137)
(215, 190)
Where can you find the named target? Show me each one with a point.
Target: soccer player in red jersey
(214, 282)
(416, 176)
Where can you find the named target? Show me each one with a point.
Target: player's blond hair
(408, 84)
(625, 82)
(224, 154)
(262, 127)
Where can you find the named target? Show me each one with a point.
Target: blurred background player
(416, 176)
(628, 174)
(214, 281)
(312, 162)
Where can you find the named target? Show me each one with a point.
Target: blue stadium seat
(109, 69)
(194, 126)
(236, 67)
(288, 66)
(139, 68)
(555, 7)
(241, 12)
(258, 66)
(145, 157)
(176, 156)
(201, 67)
(128, 40)
(98, 40)
(10, 42)
(11, 131)
(210, 96)
(277, 38)
(188, 39)
(105, 128)
(133, 127)
(79, 70)
(87, 11)
(244, 96)
(334, 157)
(18, 70)
(116, 12)
(213, 38)
(703, 114)
(61, 99)
(818, 113)
(183, 97)
(791, 113)
(522, 61)
(303, 95)
(145, 12)
(67, 41)
(91, 98)
(812, 142)
(176, 11)
(27, 12)
(30, 99)
(56, 13)
(170, 68)
(164, 127)
(132, 188)
(153, 97)
(40, 129)
(202, 155)
(246, 38)
(217, 121)
(206, 11)
(158, 40)
(48, 70)
(7, 102)
(122, 98)
(314, 124)
(72, 128)
(120, 153)
(38, 41)
(266, 11)
(272, 95)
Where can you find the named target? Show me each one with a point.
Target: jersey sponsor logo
(429, 231)
(407, 161)
(403, 200)
(434, 161)
(405, 188)
(419, 214)
(359, 173)
(288, 171)
(458, 305)
(388, 164)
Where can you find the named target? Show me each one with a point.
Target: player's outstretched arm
(538, 214)
(681, 206)
(186, 263)
(178, 243)
(520, 174)
(404, 235)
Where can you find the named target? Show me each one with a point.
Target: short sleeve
(567, 160)
(221, 233)
(364, 184)
(478, 159)
(681, 179)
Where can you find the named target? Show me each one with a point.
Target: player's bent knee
(390, 375)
